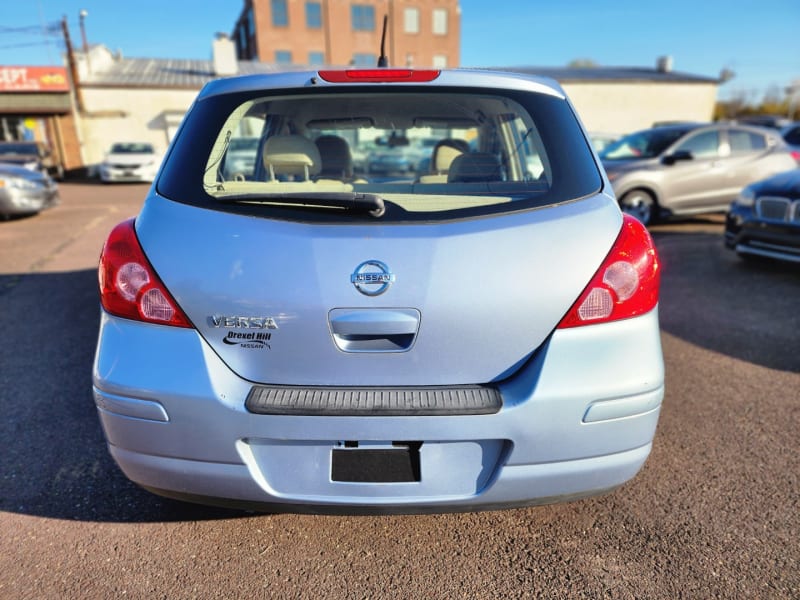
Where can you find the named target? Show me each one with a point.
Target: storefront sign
(33, 79)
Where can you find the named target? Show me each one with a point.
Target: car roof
(468, 78)
(682, 128)
(771, 121)
(687, 127)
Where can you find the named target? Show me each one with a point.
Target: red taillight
(129, 287)
(625, 285)
(381, 75)
(796, 156)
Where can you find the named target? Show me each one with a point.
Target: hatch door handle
(374, 329)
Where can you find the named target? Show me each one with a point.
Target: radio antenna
(383, 61)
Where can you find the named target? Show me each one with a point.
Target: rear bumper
(577, 420)
(232, 485)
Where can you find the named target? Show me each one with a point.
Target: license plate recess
(398, 464)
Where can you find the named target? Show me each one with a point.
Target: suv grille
(774, 208)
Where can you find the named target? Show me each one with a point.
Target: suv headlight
(747, 197)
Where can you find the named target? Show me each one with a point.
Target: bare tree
(582, 63)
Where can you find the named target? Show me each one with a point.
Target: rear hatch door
(376, 304)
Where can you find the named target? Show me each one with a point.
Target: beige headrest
(291, 155)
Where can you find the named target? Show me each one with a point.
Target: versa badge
(243, 322)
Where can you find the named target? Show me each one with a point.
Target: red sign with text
(33, 79)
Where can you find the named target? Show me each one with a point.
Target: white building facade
(144, 100)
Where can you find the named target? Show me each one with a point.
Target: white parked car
(130, 161)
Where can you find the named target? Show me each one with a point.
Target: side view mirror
(671, 159)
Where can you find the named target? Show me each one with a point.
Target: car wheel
(639, 204)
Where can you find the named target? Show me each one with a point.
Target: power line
(46, 35)
(28, 29)
(48, 29)
(25, 45)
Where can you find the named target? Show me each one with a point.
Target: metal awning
(46, 103)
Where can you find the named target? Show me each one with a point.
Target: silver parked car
(691, 168)
(24, 191)
(305, 340)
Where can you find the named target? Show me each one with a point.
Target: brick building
(420, 33)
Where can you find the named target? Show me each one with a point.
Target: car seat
(474, 168)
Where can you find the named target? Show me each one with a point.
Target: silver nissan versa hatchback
(292, 335)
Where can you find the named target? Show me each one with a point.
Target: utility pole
(83, 14)
(73, 68)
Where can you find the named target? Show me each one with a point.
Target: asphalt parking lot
(713, 514)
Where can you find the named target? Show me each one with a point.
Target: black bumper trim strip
(374, 402)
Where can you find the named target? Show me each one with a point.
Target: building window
(364, 60)
(440, 21)
(283, 57)
(313, 15)
(280, 13)
(439, 61)
(244, 36)
(316, 58)
(251, 23)
(363, 17)
(411, 20)
(241, 42)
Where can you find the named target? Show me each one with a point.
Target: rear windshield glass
(437, 153)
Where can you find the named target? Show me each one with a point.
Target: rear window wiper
(369, 203)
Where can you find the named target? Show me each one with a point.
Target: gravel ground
(713, 514)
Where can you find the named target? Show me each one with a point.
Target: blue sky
(758, 40)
